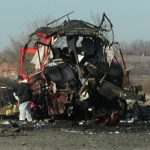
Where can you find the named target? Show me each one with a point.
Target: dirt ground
(66, 136)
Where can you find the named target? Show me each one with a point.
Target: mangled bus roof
(71, 28)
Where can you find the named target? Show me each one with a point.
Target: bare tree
(137, 47)
(96, 18)
(11, 53)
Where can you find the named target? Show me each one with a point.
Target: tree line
(137, 47)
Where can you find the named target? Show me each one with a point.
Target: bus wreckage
(77, 71)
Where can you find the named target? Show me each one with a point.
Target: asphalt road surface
(67, 136)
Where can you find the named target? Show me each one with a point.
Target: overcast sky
(131, 18)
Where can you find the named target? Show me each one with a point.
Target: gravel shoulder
(126, 137)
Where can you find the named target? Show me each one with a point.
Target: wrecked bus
(77, 72)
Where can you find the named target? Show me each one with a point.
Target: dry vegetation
(137, 56)
(139, 70)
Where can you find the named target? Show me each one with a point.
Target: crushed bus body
(77, 72)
